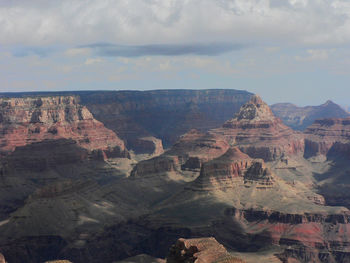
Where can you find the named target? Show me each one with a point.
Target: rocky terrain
(257, 132)
(200, 250)
(30, 120)
(299, 118)
(262, 191)
(164, 114)
(328, 137)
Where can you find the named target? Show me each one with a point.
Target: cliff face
(308, 237)
(164, 114)
(329, 137)
(231, 170)
(187, 154)
(300, 118)
(24, 121)
(254, 131)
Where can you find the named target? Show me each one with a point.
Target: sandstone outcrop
(200, 250)
(195, 148)
(299, 118)
(223, 172)
(258, 133)
(156, 166)
(187, 154)
(259, 173)
(24, 121)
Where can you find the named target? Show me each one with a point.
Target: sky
(284, 50)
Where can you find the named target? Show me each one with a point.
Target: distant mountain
(299, 118)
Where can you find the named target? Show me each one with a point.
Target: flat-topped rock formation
(299, 118)
(188, 154)
(200, 250)
(257, 132)
(223, 172)
(24, 121)
(156, 166)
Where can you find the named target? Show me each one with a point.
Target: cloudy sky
(285, 50)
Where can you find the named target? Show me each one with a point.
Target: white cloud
(315, 54)
(91, 61)
(138, 22)
(78, 52)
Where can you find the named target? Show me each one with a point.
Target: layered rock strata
(257, 132)
(24, 121)
(307, 237)
(231, 170)
(329, 137)
(188, 154)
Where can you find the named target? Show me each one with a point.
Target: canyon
(84, 177)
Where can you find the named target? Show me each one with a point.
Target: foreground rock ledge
(200, 250)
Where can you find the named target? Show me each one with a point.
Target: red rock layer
(230, 169)
(193, 149)
(27, 120)
(257, 132)
(254, 130)
(328, 136)
(223, 171)
(308, 237)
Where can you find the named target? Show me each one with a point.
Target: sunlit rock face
(257, 132)
(28, 120)
(200, 250)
